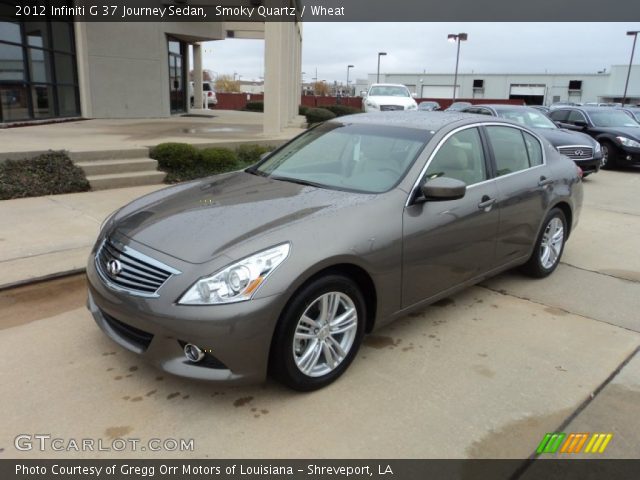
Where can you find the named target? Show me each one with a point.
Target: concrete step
(93, 155)
(129, 179)
(104, 167)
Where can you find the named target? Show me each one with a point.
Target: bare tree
(226, 83)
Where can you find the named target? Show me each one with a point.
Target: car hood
(630, 132)
(560, 137)
(405, 101)
(198, 221)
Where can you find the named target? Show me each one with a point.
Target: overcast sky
(418, 47)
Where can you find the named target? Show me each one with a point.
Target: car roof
(388, 85)
(423, 120)
(588, 109)
(504, 106)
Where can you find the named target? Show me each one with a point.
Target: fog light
(629, 157)
(193, 353)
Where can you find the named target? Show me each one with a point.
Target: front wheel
(609, 156)
(549, 245)
(319, 333)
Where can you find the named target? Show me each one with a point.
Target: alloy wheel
(551, 244)
(325, 334)
(605, 155)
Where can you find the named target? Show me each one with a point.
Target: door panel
(446, 243)
(523, 190)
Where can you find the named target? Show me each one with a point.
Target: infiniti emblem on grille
(579, 153)
(114, 267)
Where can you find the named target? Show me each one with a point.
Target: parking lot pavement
(483, 374)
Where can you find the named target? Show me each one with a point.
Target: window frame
(522, 131)
(52, 83)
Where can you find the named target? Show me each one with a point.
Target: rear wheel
(319, 333)
(609, 155)
(549, 246)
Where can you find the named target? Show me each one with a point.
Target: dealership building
(534, 88)
(52, 70)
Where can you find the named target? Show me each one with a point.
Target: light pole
(349, 67)
(380, 54)
(457, 38)
(634, 34)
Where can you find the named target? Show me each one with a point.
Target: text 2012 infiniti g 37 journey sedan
(283, 267)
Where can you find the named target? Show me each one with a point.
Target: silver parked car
(285, 266)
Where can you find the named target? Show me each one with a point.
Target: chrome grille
(386, 108)
(126, 269)
(577, 152)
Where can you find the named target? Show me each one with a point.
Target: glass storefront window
(11, 62)
(14, 102)
(10, 32)
(61, 33)
(40, 66)
(67, 101)
(37, 70)
(42, 98)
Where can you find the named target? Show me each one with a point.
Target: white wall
(123, 67)
(497, 86)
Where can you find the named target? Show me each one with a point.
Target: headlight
(627, 142)
(598, 147)
(237, 282)
(372, 105)
(412, 107)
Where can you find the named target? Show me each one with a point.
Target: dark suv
(617, 132)
(580, 148)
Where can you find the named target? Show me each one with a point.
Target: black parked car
(581, 148)
(458, 106)
(617, 132)
(542, 109)
(428, 106)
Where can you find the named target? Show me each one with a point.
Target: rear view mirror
(443, 188)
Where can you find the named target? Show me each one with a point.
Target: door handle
(544, 181)
(486, 202)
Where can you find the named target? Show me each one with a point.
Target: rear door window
(509, 149)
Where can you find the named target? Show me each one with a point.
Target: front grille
(138, 337)
(577, 152)
(126, 269)
(387, 108)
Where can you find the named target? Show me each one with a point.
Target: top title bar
(323, 10)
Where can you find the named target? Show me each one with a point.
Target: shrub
(250, 154)
(315, 115)
(174, 156)
(302, 110)
(217, 160)
(341, 110)
(48, 174)
(255, 106)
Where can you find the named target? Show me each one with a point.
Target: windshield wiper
(255, 171)
(299, 181)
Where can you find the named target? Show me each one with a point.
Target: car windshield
(355, 157)
(388, 91)
(612, 118)
(528, 118)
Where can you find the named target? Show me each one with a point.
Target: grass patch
(51, 173)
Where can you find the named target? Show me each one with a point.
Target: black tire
(534, 266)
(609, 155)
(282, 364)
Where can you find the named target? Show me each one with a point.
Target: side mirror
(363, 94)
(443, 188)
(414, 95)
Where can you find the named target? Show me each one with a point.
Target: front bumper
(236, 336)
(629, 155)
(591, 165)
